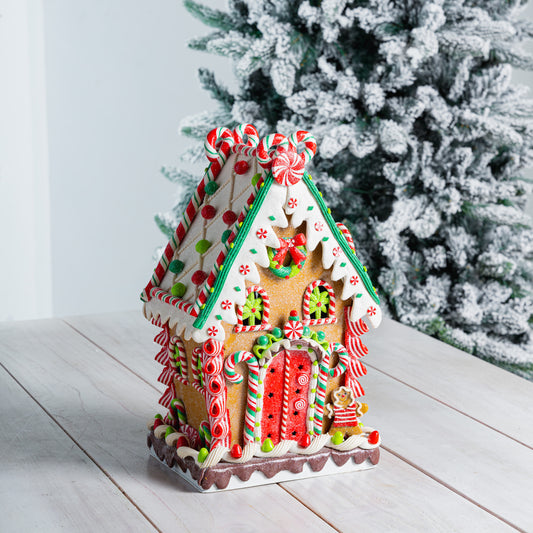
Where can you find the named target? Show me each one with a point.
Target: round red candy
(241, 167)
(373, 438)
(236, 451)
(198, 277)
(305, 441)
(209, 212)
(293, 313)
(229, 217)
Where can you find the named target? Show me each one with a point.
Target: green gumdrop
(277, 333)
(202, 246)
(211, 187)
(255, 179)
(178, 289)
(202, 455)
(267, 446)
(158, 416)
(176, 266)
(225, 235)
(320, 336)
(169, 431)
(338, 438)
(306, 332)
(263, 340)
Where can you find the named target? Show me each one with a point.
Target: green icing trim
(232, 254)
(340, 237)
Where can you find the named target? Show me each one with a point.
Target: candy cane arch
(248, 148)
(215, 393)
(331, 318)
(253, 378)
(264, 326)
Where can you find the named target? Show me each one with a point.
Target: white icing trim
(222, 453)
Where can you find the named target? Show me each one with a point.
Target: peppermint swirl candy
(303, 379)
(300, 404)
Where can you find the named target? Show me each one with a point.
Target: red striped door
(285, 398)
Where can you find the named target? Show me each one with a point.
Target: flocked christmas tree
(422, 145)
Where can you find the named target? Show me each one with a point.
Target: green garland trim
(232, 254)
(340, 237)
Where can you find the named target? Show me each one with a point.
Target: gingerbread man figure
(344, 412)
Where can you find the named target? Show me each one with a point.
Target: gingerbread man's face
(343, 397)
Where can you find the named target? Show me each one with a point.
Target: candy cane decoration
(238, 134)
(180, 356)
(221, 135)
(264, 157)
(344, 359)
(285, 406)
(195, 366)
(253, 378)
(347, 235)
(179, 407)
(331, 318)
(309, 141)
(205, 433)
(321, 386)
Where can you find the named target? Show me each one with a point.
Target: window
(319, 304)
(253, 315)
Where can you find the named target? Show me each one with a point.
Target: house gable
(234, 259)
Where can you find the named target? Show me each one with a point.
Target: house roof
(248, 189)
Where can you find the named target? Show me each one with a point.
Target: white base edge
(258, 478)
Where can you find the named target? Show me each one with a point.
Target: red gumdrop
(209, 212)
(305, 441)
(293, 313)
(373, 438)
(157, 422)
(198, 277)
(241, 167)
(182, 441)
(229, 217)
(236, 451)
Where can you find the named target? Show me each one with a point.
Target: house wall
(285, 295)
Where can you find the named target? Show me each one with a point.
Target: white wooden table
(76, 394)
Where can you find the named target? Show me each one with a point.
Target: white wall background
(95, 91)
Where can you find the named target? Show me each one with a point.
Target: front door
(286, 393)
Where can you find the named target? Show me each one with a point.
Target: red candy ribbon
(291, 246)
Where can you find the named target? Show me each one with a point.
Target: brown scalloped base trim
(221, 473)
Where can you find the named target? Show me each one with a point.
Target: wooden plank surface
(47, 482)
(392, 497)
(104, 407)
(483, 391)
(478, 462)
(396, 426)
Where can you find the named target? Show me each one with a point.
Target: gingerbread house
(261, 302)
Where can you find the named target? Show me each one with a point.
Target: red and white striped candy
(287, 167)
(264, 156)
(293, 329)
(309, 141)
(223, 137)
(347, 235)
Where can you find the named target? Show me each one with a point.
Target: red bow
(290, 245)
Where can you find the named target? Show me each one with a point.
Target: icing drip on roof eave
(176, 318)
(306, 209)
